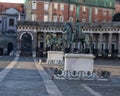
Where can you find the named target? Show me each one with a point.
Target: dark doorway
(113, 46)
(1, 51)
(40, 50)
(10, 47)
(26, 44)
(41, 45)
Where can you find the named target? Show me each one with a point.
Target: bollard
(40, 61)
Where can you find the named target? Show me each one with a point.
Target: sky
(13, 1)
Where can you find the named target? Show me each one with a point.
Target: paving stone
(4, 61)
(23, 80)
(106, 90)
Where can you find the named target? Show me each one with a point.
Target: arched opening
(9, 48)
(26, 44)
(1, 51)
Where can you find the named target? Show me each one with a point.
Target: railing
(11, 34)
(44, 24)
(61, 24)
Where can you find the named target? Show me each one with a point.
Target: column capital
(110, 33)
(101, 33)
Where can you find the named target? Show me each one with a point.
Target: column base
(33, 53)
(109, 55)
(18, 53)
(118, 55)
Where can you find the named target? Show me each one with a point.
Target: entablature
(57, 27)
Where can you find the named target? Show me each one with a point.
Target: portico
(105, 36)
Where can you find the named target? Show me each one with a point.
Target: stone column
(106, 41)
(100, 46)
(91, 35)
(34, 41)
(18, 45)
(110, 44)
(96, 41)
(44, 43)
(119, 45)
(117, 41)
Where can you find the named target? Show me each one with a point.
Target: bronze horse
(85, 39)
(69, 37)
(53, 42)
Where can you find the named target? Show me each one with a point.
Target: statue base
(79, 62)
(54, 57)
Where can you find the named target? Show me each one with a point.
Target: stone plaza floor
(24, 76)
(4, 61)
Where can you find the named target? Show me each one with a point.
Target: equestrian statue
(76, 35)
(53, 43)
(85, 39)
(69, 35)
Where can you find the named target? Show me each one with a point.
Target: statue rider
(79, 33)
(77, 26)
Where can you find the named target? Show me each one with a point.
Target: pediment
(12, 11)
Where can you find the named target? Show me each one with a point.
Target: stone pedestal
(55, 56)
(79, 62)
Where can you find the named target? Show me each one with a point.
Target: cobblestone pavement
(107, 62)
(4, 61)
(109, 65)
(92, 88)
(24, 80)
